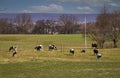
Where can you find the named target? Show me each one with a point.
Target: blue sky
(57, 6)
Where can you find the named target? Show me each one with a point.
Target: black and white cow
(83, 51)
(11, 48)
(39, 47)
(52, 47)
(72, 51)
(99, 56)
(95, 51)
(14, 50)
(94, 45)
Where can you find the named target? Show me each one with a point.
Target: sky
(58, 6)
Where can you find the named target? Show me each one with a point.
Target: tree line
(23, 24)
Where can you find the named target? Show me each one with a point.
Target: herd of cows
(52, 47)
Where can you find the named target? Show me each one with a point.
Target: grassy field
(29, 63)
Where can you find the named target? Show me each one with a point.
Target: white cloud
(26, 11)
(114, 4)
(88, 2)
(49, 8)
(85, 9)
(67, 0)
(97, 3)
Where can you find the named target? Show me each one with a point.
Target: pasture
(29, 63)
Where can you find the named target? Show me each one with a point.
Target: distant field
(56, 64)
(29, 41)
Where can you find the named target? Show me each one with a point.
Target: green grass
(60, 69)
(56, 64)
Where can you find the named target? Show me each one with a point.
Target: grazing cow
(52, 47)
(95, 51)
(83, 51)
(99, 56)
(39, 47)
(11, 48)
(94, 45)
(14, 50)
(72, 51)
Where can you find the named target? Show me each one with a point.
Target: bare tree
(98, 32)
(114, 27)
(50, 26)
(44, 27)
(24, 23)
(68, 21)
(39, 27)
(6, 26)
(107, 27)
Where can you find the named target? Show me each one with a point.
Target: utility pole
(85, 33)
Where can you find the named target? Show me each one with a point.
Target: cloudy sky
(57, 6)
